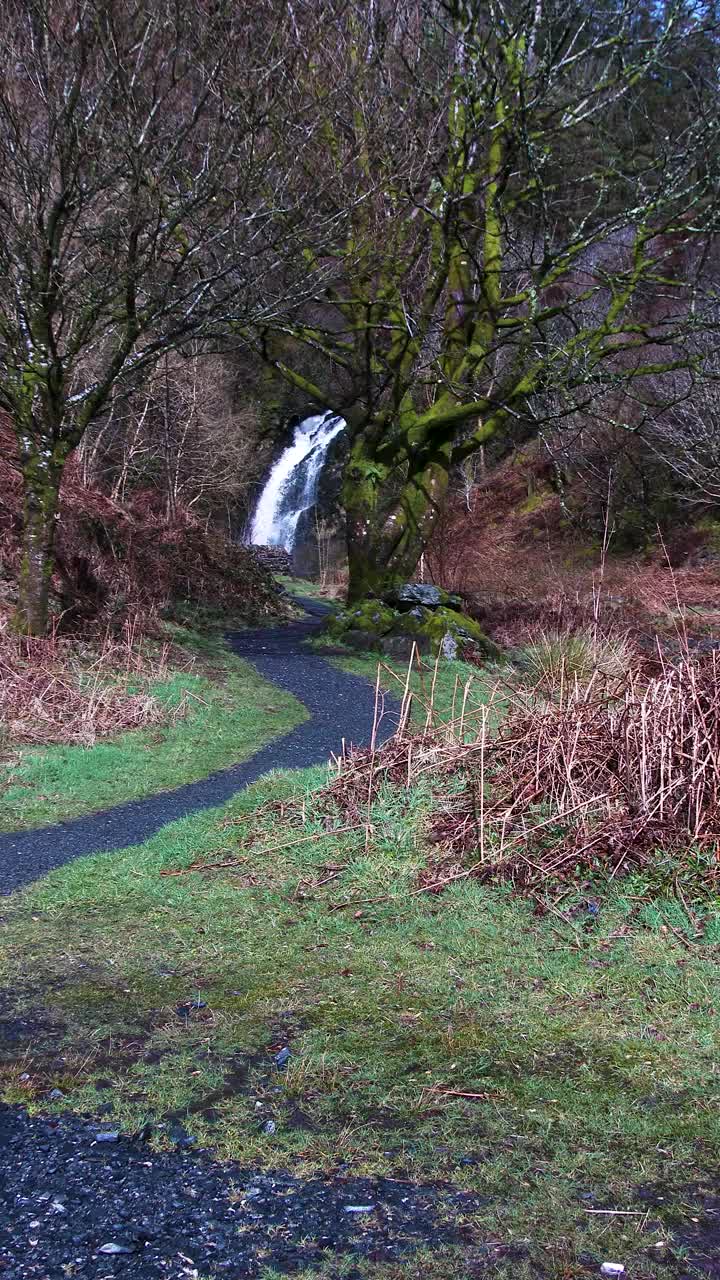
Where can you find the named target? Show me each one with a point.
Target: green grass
(593, 1053)
(483, 684)
(301, 586)
(230, 713)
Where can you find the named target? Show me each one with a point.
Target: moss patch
(379, 621)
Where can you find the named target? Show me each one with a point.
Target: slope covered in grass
(211, 714)
(559, 1067)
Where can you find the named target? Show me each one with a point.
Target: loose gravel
(74, 1205)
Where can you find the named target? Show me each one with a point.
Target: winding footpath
(76, 1199)
(340, 706)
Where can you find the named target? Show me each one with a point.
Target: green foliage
(534, 502)
(711, 528)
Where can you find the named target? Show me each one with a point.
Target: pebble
(270, 1127)
(184, 1010)
(55, 1095)
(180, 1136)
(282, 1058)
(359, 1208)
(111, 1135)
(612, 1269)
(112, 1247)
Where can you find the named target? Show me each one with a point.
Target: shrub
(559, 659)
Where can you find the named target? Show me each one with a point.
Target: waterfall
(293, 482)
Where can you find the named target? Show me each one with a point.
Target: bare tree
(146, 201)
(686, 438)
(182, 434)
(534, 213)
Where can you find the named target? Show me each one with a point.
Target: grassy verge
(567, 1072)
(443, 687)
(214, 714)
(300, 586)
(307, 587)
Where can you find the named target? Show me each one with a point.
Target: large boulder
(401, 646)
(423, 594)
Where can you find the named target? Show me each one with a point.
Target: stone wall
(276, 559)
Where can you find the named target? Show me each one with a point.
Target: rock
(372, 625)
(269, 1127)
(282, 1058)
(180, 1136)
(190, 1006)
(55, 1095)
(401, 646)
(359, 1208)
(612, 1269)
(113, 1247)
(416, 593)
(276, 559)
(361, 640)
(449, 647)
(111, 1135)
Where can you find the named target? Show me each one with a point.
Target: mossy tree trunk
(389, 517)
(40, 512)
(41, 475)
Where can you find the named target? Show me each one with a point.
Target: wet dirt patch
(689, 1217)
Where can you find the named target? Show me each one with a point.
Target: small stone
(111, 1135)
(190, 1006)
(359, 1208)
(180, 1136)
(282, 1058)
(25, 1077)
(55, 1095)
(269, 1127)
(112, 1247)
(449, 647)
(612, 1269)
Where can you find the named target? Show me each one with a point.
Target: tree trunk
(388, 524)
(42, 487)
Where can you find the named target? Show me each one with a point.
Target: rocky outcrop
(394, 625)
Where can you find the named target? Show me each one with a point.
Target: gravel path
(75, 1204)
(71, 1205)
(340, 705)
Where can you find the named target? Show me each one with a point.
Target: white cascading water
(292, 484)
